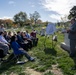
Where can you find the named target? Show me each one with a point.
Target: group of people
(19, 42)
(22, 41)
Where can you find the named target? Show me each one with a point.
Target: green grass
(45, 56)
(49, 73)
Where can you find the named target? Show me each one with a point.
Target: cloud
(32, 4)
(54, 17)
(5, 17)
(60, 7)
(11, 3)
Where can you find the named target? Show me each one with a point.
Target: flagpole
(45, 42)
(52, 41)
(50, 29)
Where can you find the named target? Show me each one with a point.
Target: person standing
(72, 36)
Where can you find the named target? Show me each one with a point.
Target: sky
(49, 10)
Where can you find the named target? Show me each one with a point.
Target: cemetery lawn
(48, 60)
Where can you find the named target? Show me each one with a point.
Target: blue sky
(49, 10)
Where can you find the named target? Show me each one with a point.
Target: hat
(2, 24)
(73, 19)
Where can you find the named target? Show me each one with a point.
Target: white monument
(42, 32)
(66, 44)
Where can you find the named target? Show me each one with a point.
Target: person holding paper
(72, 36)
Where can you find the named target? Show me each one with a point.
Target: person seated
(3, 50)
(34, 38)
(3, 40)
(7, 36)
(18, 49)
(21, 42)
(2, 28)
(27, 34)
(2, 55)
(4, 47)
(26, 39)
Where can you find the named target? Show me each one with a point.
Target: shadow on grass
(6, 65)
(50, 51)
(74, 59)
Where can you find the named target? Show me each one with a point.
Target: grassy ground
(45, 57)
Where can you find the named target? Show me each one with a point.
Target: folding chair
(16, 57)
(2, 55)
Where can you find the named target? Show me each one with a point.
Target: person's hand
(68, 30)
(9, 44)
(21, 49)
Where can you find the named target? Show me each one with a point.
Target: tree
(28, 22)
(72, 13)
(31, 18)
(39, 21)
(34, 17)
(8, 22)
(20, 18)
(1, 21)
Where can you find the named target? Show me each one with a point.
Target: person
(26, 39)
(2, 39)
(27, 34)
(21, 42)
(18, 49)
(2, 28)
(34, 38)
(72, 36)
(4, 47)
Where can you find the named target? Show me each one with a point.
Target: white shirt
(2, 39)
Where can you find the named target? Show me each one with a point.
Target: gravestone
(66, 44)
(42, 32)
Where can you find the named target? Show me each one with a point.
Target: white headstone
(66, 44)
(42, 33)
(66, 40)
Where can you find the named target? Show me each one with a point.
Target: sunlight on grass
(45, 57)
